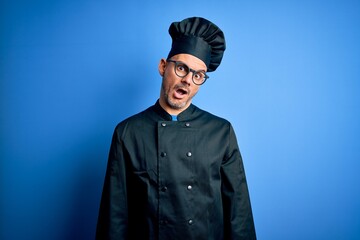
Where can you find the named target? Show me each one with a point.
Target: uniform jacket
(175, 180)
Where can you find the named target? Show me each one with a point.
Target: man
(174, 170)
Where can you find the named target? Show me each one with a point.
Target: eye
(199, 75)
(182, 68)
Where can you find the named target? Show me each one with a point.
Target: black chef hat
(200, 38)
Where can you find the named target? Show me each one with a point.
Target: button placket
(168, 133)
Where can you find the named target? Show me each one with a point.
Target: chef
(174, 170)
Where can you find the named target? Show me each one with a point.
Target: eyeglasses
(182, 70)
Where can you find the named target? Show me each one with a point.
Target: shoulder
(208, 117)
(135, 121)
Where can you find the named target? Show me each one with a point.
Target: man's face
(176, 92)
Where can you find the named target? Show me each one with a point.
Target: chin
(176, 105)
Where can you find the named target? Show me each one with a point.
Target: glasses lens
(199, 77)
(181, 69)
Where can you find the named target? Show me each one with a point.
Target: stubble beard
(173, 103)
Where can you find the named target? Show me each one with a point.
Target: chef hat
(200, 38)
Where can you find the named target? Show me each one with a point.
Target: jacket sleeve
(113, 214)
(238, 218)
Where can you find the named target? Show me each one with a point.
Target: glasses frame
(190, 70)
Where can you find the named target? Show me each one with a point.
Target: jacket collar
(185, 115)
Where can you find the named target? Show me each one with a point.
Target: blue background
(289, 82)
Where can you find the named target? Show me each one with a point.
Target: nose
(187, 79)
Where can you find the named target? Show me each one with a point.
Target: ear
(162, 66)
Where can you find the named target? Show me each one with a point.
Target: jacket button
(163, 189)
(189, 154)
(163, 222)
(187, 124)
(189, 187)
(163, 154)
(163, 124)
(190, 221)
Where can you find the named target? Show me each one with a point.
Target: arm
(238, 218)
(113, 213)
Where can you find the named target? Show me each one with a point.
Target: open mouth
(181, 91)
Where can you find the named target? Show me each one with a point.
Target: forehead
(190, 60)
